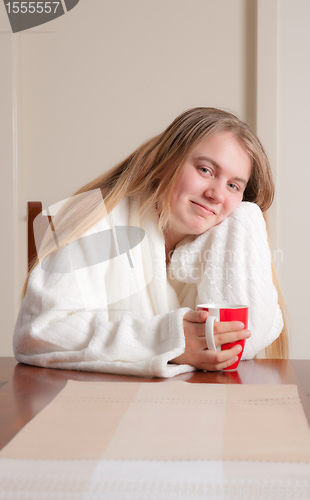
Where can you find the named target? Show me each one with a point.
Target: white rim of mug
(223, 306)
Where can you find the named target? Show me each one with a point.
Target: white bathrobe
(125, 314)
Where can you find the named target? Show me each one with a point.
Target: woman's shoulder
(248, 208)
(247, 214)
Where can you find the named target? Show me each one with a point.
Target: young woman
(179, 222)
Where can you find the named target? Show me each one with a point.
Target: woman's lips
(203, 208)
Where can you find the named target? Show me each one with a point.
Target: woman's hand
(196, 352)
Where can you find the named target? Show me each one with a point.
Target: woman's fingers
(218, 360)
(196, 316)
(219, 366)
(228, 326)
(232, 331)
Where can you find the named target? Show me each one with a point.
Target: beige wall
(93, 84)
(9, 299)
(294, 166)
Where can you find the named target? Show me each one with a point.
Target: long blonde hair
(150, 173)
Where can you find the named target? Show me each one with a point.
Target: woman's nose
(215, 192)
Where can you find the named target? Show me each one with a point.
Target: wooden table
(26, 390)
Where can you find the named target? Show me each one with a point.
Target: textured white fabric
(115, 318)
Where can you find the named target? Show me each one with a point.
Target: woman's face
(210, 186)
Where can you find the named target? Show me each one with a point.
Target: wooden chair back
(34, 209)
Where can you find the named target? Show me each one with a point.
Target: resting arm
(240, 244)
(54, 330)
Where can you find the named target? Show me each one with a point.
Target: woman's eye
(234, 187)
(206, 170)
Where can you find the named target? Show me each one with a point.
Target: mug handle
(209, 331)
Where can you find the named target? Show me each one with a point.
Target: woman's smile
(203, 208)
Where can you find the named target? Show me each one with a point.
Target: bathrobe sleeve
(52, 330)
(240, 248)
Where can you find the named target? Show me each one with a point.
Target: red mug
(224, 312)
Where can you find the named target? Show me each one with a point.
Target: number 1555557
(31, 7)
